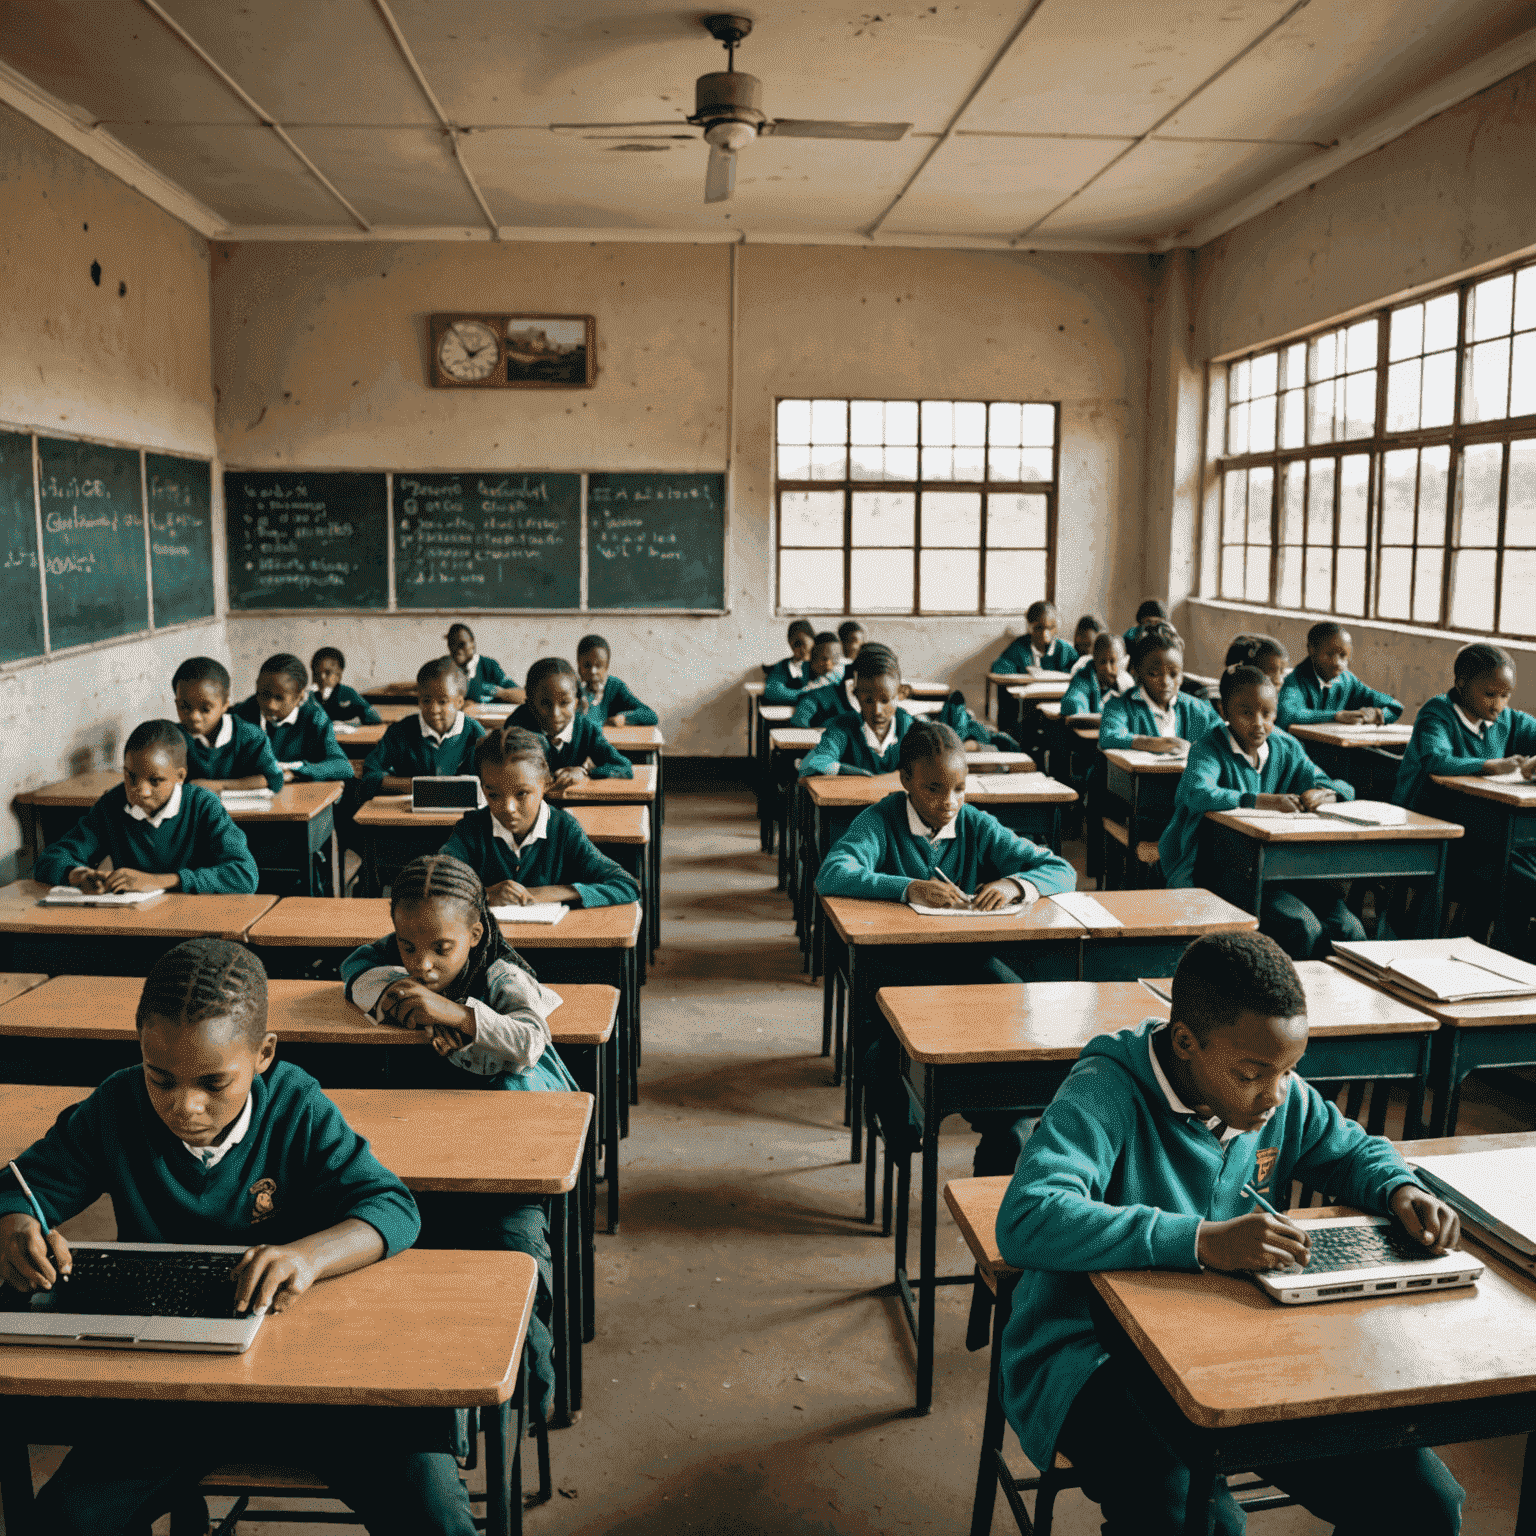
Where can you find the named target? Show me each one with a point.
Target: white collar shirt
(472, 665)
(291, 718)
(536, 832)
(222, 738)
(797, 669)
(211, 1157)
(1166, 720)
(1175, 1103)
(920, 828)
(1477, 727)
(452, 731)
(1256, 760)
(164, 814)
(567, 736)
(877, 745)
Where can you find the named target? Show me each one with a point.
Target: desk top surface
(1330, 734)
(754, 690)
(294, 802)
(1265, 827)
(639, 790)
(793, 738)
(1488, 1013)
(1017, 785)
(1040, 690)
(974, 1203)
(14, 983)
(176, 915)
(360, 742)
(602, 823)
(877, 923)
(1168, 914)
(1521, 796)
(1134, 760)
(635, 738)
(390, 713)
(344, 922)
(427, 1328)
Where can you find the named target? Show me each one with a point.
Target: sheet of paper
(549, 912)
(1367, 813)
(1502, 1184)
(1087, 911)
(1453, 980)
(1142, 759)
(72, 896)
(1009, 911)
(343, 727)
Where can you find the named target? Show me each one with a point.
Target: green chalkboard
(21, 594)
(93, 541)
(655, 541)
(180, 537)
(306, 539)
(487, 540)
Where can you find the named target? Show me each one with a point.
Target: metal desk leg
(504, 1464)
(1200, 1502)
(852, 1067)
(578, 1236)
(560, 1323)
(613, 1094)
(927, 1251)
(1525, 1516)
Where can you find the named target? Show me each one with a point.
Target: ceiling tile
(393, 175)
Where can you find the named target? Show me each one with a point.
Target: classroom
(488, 402)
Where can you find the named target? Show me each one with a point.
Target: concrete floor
(752, 1373)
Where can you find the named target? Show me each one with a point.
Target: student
(817, 707)
(1104, 678)
(438, 741)
(1261, 651)
(570, 739)
(1087, 630)
(869, 743)
(786, 678)
(1155, 716)
(1152, 611)
(446, 969)
(212, 1140)
(1323, 690)
(484, 678)
(223, 751)
(851, 636)
(605, 699)
(823, 671)
(1248, 764)
(524, 849)
(344, 705)
(1038, 648)
(1140, 1162)
(895, 851)
(298, 730)
(160, 832)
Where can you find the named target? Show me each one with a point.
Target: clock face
(468, 351)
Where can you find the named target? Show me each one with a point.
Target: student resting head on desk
(297, 729)
(1322, 690)
(523, 848)
(447, 970)
(1155, 716)
(484, 678)
(571, 739)
(223, 751)
(160, 832)
(606, 699)
(1141, 1161)
(924, 844)
(822, 668)
(851, 636)
(1038, 648)
(1152, 611)
(439, 741)
(344, 705)
(1103, 678)
(213, 1141)
(1247, 764)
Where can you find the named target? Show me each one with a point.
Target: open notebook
(70, 896)
(1354, 813)
(548, 912)
(1493, 1192)
(1442, 970)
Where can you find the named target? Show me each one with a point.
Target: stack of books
(1440, 970)
(1494, 1193)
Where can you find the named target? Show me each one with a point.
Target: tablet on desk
(455, 792)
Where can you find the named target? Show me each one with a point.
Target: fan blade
(720, 178)
(671, 122)
(810, 128)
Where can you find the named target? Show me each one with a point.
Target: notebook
(1354, 1257)
(539, 912)
(1139, 759)
(70, 896)
(1366, 813)
(1494, 1191)
(1443, 970)
(245, 799)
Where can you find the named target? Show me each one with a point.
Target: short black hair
(1151, 608)
(285, 664)
(876, 660)
(1479, 659)
(454, 629)
(511, 744)
(442, 668)
(328, 653)
(1107, 640)
(802, 627)
(201, 669)
(826, 637)
(1254, 651)
(1088, 621)
(1152, 638)
(849, 627)
(1242, 676)
(158, 736)
(548, 666)
(1324, 631)
(1225, 974)
(1040, 609)
(925, 739)
(206, 979)
(592, 643)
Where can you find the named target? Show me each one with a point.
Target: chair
(1119, 864)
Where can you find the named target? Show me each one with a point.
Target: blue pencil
(37, 1210)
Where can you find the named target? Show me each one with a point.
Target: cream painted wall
(320, 361)
(82, 360)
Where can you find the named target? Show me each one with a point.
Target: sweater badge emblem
(264, 1199)
(1264, 1164)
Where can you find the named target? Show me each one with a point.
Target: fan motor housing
(728, 96)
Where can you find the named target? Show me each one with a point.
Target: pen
(26, 1189)
(970, 901)
(1252, 1193)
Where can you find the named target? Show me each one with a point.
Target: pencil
(970, 901)
(26, 1189)
(1250, 1191)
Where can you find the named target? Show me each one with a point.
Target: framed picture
(550, 351)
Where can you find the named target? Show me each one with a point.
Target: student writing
(1103, 678)
(484, 679)
(1155, 716)
(1322, 690)
(298, 730)
(1039, 649)
(160, 832)
(571, 739)
(344, 705)
(223, 751)
(438, 741)
(606, 699)
(786, 678)
(1140, 1162)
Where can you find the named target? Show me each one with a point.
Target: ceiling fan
(728, 107)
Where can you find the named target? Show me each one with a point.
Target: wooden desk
(357, 744)
(1367, 756)
(1243, 851)
(120, 940)
(390, 693)
(1146, 785)
(390, 714)
(1018, 700)
(639, 743)
(362, 1339)
(1500, 820)
(641, 790)
(1154, 926)
(14, 984)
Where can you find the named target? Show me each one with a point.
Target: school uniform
(1134, 714)
(1085, 694)
(1059, 656)
(1306, 700)
(1119, 1174)
(302, 740)
(512, 1051)
(190, 836)
(817, 708)
(555, 851)
(345, 706)
(289, 1167)
(578, 744)
(237, 750)
(848, 746)
(617, 699)
(485, 677)
(789, 678)
(411, 749)
(1301, 917)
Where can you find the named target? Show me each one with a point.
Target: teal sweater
(1217, 779)
(843, 749)
(1020, 657)
(1306, 700)
(816, 708)
(309, 741)
(245, 753)
(347, 704)
(1130, 716)
(404, 753)
(1085, 696)
(781, 686)
(1442, 744)
(565, 855)
(320, 1171)
(588, 744)
(487, 679)
(617, 699)
(878, 857)
(200, 845)
(1112, 1178)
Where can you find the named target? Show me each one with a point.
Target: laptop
(177, 1296)
(453, 792)
(1358, 1256)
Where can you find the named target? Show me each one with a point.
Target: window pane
(901, 423)
(1353, 486)
(1293, 418)
(1361, 348)
(1293, 503)
(1525, 299)
(1320, 580)
(866, 421)
(939, 423)
(1360, 405)
(1015, 578)
(1261, 425)
(1261, 496)
(1434, 485)
(1522, 393)
(1237, 379)
(1005, 464)
(1407, 336)
(810, 578)
(1036, 464)
(811, 517)
(1403, 395)
(1487, 395)
(970, 463)
(1489, 307)
(1265, 377)
(1520, 516)
(1322, 356)
(1237, 429)
(794, 463)
(1004, 424)
(1257, 587)
(1517, 607)
(1319, 505)
(1039, 426)
(1350, 597)
(794, 421)
(880, 581)
(1472, 590)
(828, 462)
(1426, 585)
(1394, 598)
(1440, 323)
(1234, 582)
(951, 519)
(1320, 412)
(970, 424)
(1439, 404)
(1288, 583)
(1478, 523)
(1295, 365)
(950, 580)
(1399, 479)
(938, 463)
(883, 518)
(829, 421)
(900, 463)
(1234, 501)
(866, 462)
(1015, 522)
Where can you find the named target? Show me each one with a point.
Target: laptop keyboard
(1336, 1248)
(107, 1282)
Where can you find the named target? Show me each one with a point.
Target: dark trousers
(1141, 1486)
(1306, 917)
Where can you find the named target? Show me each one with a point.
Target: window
(1386, 468)
(915, 506)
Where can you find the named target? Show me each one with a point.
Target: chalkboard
(180, 537)
(487, 540)
(655, 541)
(93, 541)
(306, 539)
(21, 595)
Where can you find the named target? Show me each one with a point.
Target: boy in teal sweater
(211, 1141)
(822, 670)
(342, 705)
(606, 699)
(1155, 716)
(484, 679)
(438, 742)
(1038, 649)
(790, 675)
(298, 731)
(1141, 1161)
(223, 751)
(869, 742)
(575, 746)
(1323, 691)
(1104, 678)
(159, 831)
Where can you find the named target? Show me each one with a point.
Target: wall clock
(468, 352)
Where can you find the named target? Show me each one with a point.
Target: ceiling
(1106, 125)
